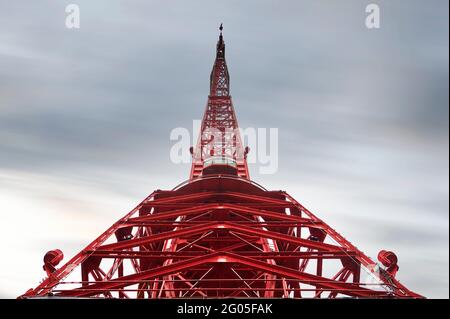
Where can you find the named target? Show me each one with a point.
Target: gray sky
(85, 118)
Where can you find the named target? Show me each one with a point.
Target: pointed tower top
(221, 44)
(220, 80)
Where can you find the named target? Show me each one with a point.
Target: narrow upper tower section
(220, 79)
(219, 148)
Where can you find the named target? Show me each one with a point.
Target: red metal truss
(220, 139)
(220, 235)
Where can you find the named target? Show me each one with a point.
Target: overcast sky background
(85, 118)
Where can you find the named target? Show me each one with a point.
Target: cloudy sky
(86, 114)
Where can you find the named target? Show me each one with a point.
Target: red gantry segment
(220, 235)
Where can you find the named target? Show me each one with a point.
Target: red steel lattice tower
(220, 235)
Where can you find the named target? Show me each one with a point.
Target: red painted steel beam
(173, 224)
(223, 206)
(203, 195)
(366, 261)
(338, 254)
(45, 286)
(324, 283)
(215, 226)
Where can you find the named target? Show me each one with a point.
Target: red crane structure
(220, 235)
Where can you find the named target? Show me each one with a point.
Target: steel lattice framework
(220, 235)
